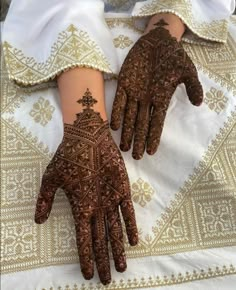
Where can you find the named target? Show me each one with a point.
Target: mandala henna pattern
(88, 166)
(152, 70)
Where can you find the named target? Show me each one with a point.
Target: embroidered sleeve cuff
(204, 21)
(41, 40)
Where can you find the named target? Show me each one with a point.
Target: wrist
(175, 25)
(73, 85)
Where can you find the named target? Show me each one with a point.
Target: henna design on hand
(149, 76)
(88, 166)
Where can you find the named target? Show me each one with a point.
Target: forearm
(72, 86)
(175, 25)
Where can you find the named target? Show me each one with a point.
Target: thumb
(192, 84)
(46, 195)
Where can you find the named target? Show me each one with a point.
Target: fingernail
(137, 156)
(198, 104)
(88, 275)
(124, 147)
(133, 241)
(114, 126)
(39, 219)
(151, 151)
(106, 282)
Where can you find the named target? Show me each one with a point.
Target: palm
(152, 70)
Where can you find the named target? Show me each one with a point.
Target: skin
(74, 83)
(175, 25)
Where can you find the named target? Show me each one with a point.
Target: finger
(192, 84)
(84, 244)
(49, 186)
(128, 125)
(128, 214)
(141, 131)
(118, 108)
(155, 130)
(116, 239)
(100, 246)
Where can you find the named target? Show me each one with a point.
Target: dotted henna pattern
(88, 166)
(149, 76)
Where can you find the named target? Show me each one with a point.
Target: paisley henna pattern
(88, 166)
(152, 70)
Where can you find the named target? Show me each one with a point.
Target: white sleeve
(205, 20)
(43, 38)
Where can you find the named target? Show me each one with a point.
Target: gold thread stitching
(67, 52)
(156, 281)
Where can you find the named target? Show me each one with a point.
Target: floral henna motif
(88, 166)
(152, 70)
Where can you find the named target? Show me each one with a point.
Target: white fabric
(203, 10)
(33, 27)
(60, 276)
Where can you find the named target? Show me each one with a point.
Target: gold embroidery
(206, 59)
(233, 19)
(42, 111)
(198, 194)
(215, 30)
(125, 22)
(20, 184)
(122, 41)
(20, 240)
(18, 142)
(142, 192)
(217, 217)
(216, 100)
(151, 282)
(178, 230)
(73, 48)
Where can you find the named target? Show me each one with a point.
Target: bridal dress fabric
(184, 195)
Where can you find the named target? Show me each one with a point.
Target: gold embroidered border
(72, 48)
(215, 30)
(198, 191)
(22, 133)
(206, 59)
(140, 283)
(125, 22)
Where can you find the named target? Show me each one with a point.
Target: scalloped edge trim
(139, 283)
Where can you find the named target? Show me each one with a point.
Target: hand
(152, 70)
(88, 166)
